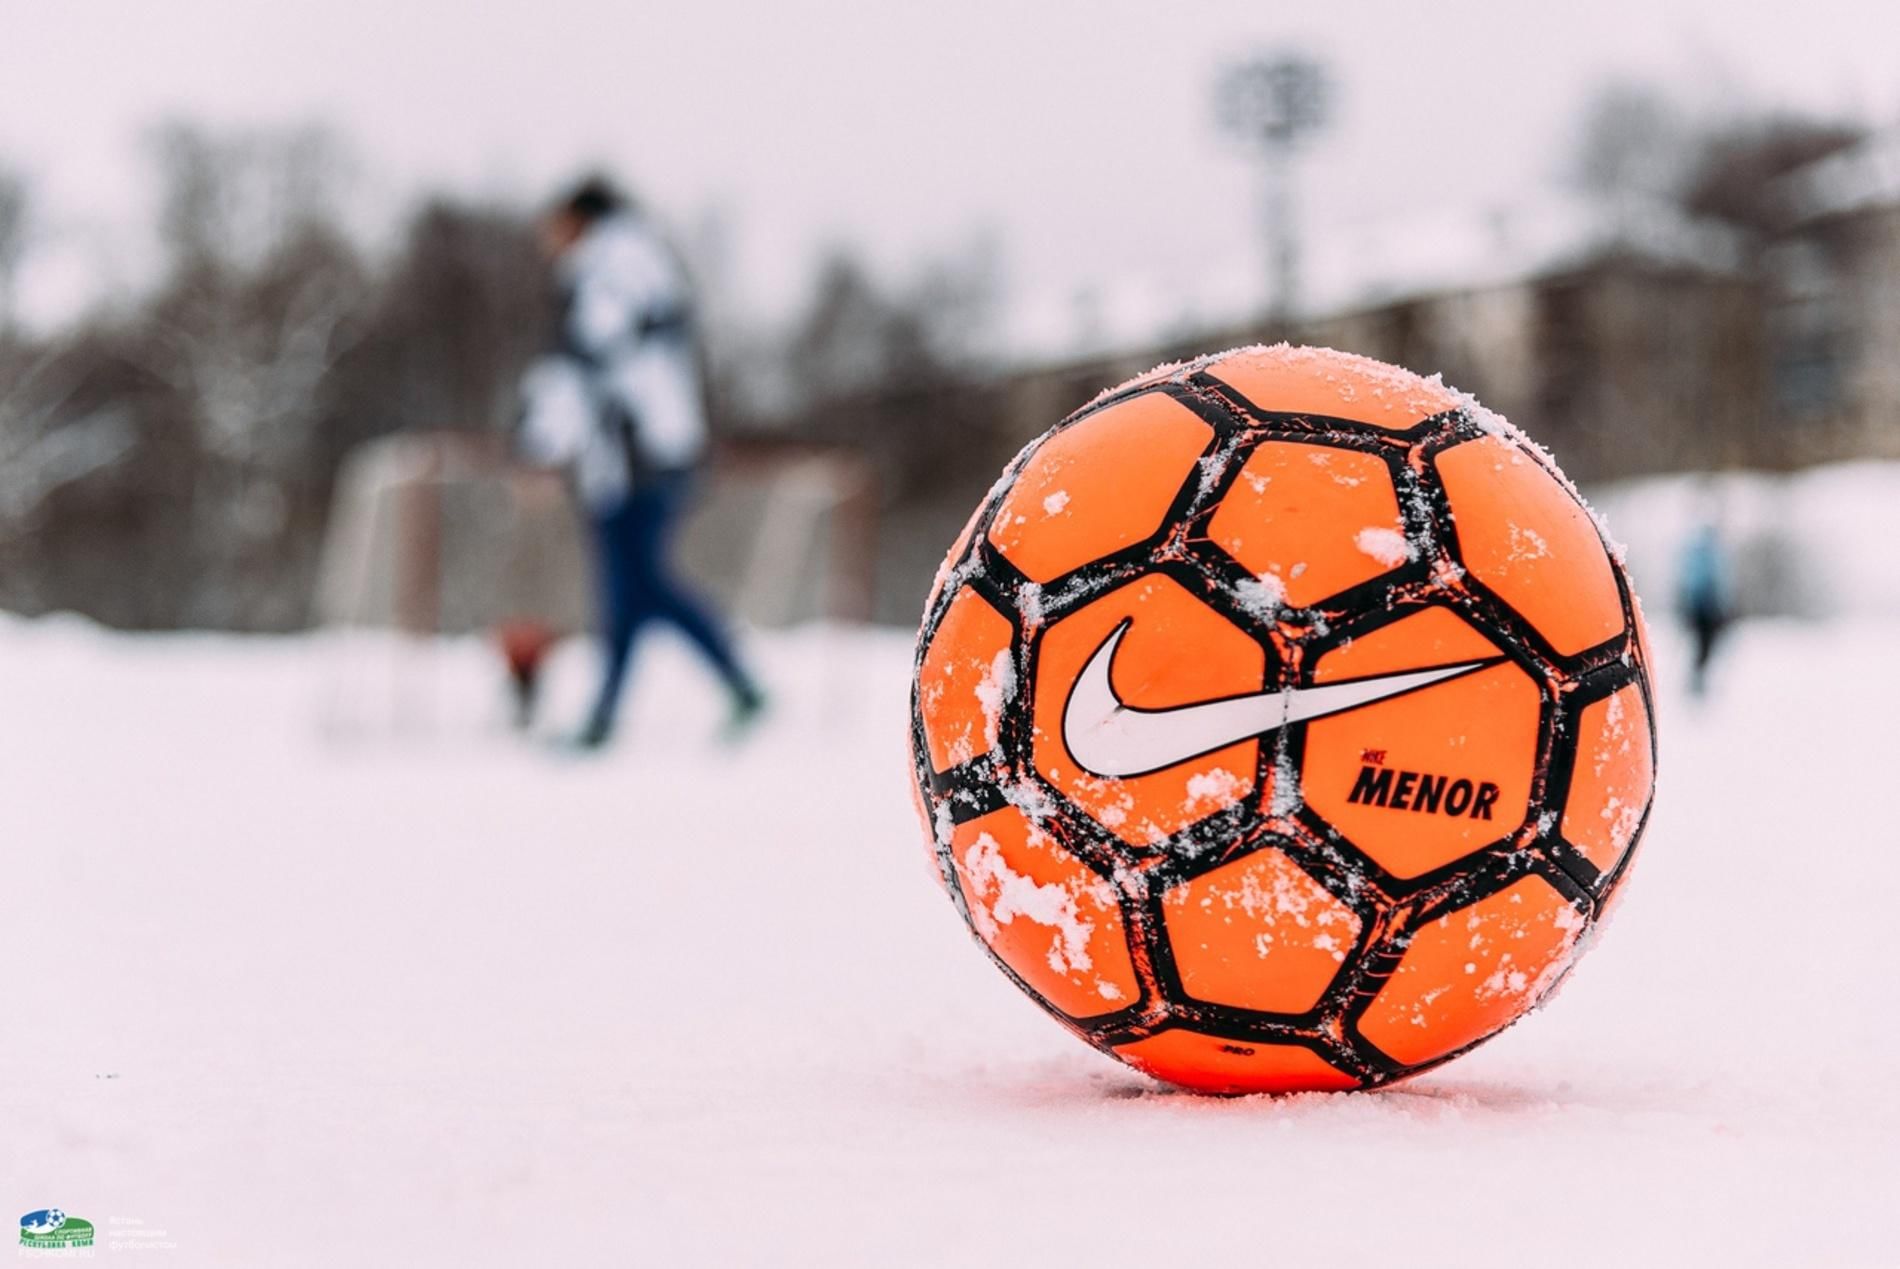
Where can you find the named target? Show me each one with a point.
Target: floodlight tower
(1273, 103)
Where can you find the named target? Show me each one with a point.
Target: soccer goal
(439, 534)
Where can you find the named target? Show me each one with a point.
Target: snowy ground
(295, 998)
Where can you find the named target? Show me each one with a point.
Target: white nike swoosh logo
(1108, 738)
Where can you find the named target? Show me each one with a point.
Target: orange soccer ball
(1282, 721)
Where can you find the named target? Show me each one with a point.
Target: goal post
(437, 534)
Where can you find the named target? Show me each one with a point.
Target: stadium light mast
(1273, 103)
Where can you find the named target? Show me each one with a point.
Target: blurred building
(1637, 350)
(1635, 344)
(1835, 315)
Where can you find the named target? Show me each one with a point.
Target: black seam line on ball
(1298, 420)
(1446, 523)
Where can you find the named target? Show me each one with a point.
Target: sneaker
(748, 707)
(593, 737)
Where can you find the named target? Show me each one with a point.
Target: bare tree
(1639, 146)
(47, 443)
(896, 372)
(261, 282)
(14, 210)
(459, 311)
(259, 303)
(1634, 143)
(1732, 174)
(858, 336)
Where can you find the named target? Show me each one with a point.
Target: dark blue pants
(637, 585)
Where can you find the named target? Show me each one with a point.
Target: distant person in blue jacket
(1703, 599)
(619, 404)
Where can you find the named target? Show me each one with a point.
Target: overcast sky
(1080, 135)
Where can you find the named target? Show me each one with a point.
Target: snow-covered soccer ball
(1282, 721)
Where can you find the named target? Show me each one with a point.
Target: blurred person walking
(619, 404)
(1702, 598)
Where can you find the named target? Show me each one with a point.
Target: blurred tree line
(1639, 145)
(170, 463)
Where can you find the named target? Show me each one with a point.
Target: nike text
(1419, 791)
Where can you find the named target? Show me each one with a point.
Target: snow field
(309, 995)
